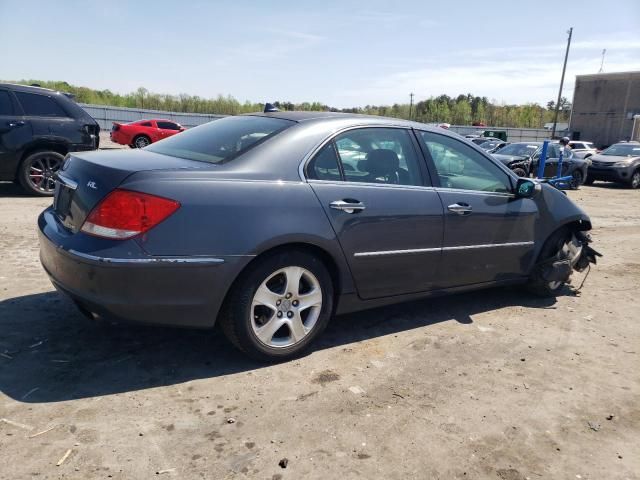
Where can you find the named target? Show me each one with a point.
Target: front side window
(6, 107)
(461, 167)
(378, 155)
(40, 105)
(221, 140)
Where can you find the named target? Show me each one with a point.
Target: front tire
(576, 180)
(37, 171)
(555, 248)
(520, 172)
(278, 306)
(634, 182)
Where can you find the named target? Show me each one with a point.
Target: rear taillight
(125, 214)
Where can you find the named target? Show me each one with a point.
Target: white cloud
(516, 74)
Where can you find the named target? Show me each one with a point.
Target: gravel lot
(492, 384)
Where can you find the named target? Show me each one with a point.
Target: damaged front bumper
(577, 255)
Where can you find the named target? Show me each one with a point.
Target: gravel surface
(492, 384)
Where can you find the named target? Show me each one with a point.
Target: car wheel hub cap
(286, 307)
(42, 172)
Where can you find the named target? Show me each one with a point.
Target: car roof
(28, 88)
(304, 117)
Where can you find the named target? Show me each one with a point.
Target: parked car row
(619, 163)
(523, 158)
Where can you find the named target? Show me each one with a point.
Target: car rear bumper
(127, 284)
(119, 137)
(611, 174)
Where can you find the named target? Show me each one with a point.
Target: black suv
(38, 127)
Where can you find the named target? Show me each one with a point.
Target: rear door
(375, 191)
(15, 134)
(488, 232)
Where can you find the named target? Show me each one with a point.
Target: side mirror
(526, 188)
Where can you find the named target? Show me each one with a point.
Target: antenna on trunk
(270, 108)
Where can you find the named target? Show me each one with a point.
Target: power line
(604, 52)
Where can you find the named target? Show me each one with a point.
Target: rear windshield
(221, 140)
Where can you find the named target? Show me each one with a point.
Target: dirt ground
(493, 384)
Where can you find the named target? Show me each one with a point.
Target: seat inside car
(383, 166)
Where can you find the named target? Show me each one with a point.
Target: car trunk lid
(86, 178)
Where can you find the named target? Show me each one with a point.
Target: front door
(387, 217)
(488, 232)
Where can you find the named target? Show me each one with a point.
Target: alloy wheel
(635, 179)
(141, 142)
(41, 174)
(285, 307)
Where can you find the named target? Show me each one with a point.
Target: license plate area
(64, 191)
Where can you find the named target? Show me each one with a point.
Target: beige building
(606, 108)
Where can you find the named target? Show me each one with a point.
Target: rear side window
(146, 124)
(168, 126)
(324, 165)
(221, 140)
(6, 107)
(378, 155)
(40, 105)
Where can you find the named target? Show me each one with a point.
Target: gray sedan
(272, 223)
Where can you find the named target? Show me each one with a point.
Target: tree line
(461, 110)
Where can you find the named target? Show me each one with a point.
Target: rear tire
(551, 251)
(36, 172)
(141, 141)
(520, 172)
(589, 180)
(278, 306)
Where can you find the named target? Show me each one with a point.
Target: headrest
(382, 162)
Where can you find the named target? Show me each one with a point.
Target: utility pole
(410, 105)
(604, 52)
(564, 68)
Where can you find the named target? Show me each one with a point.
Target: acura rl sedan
(272, 223)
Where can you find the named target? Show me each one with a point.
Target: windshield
(519, 149)
(221, 140)
(623, 150)
(489, 145)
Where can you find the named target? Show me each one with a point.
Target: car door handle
(460, 208)
(348, 206)
(19, 123)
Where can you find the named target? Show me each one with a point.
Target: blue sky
(342, 53)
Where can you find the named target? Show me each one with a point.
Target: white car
(583, 149)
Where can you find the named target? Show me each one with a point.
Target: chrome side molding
(443, 249)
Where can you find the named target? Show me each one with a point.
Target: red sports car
(143, 132)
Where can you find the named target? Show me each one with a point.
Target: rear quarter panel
(237, 217)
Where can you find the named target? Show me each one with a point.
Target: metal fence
(513, 134)
(106, 115)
